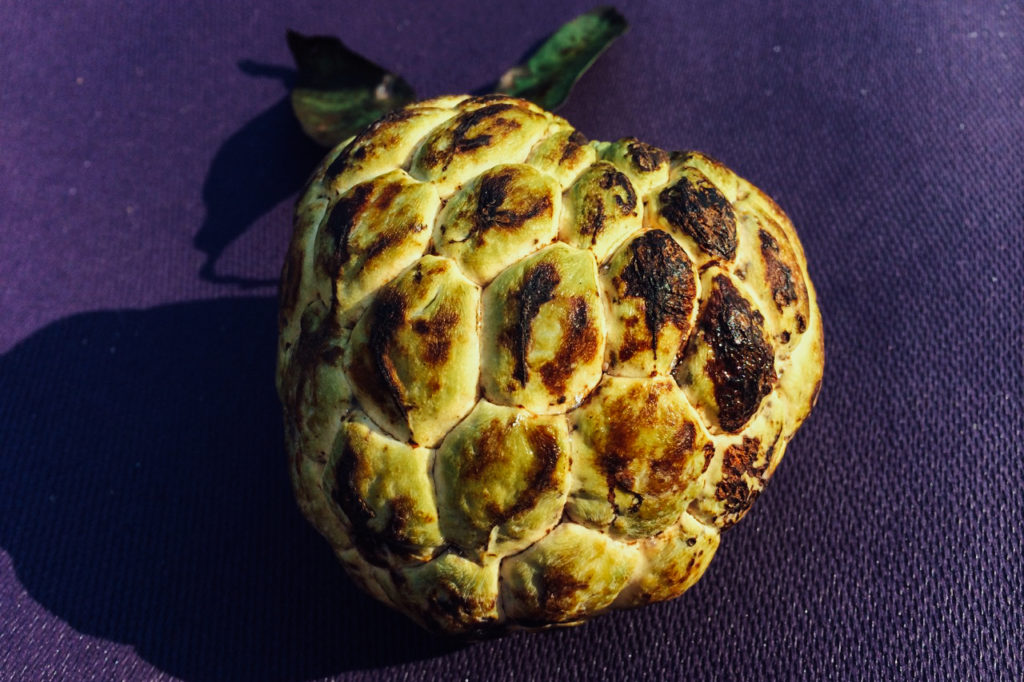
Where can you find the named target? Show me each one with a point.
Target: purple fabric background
(146, 524)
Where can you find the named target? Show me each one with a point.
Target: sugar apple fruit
(529, 378)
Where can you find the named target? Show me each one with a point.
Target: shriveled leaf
(339, 92)
(547, 76)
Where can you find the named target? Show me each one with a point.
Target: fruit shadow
(265, 162)
(145, 499)
(144, 492)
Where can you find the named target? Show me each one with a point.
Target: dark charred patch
(332, 355)
(709, 454)
(646, 158)
(466, 136)
(502, 204)
(625, 197)
(572, 146)
(352, 476)
(631, 345)
(668, 472)
(485, 99)
(542, 474)
(579, 345)
(490, 450)
(801, 324)
(590, 219)
(558, 592)
(386, 196)
(696, 207)
(615, 465)
(342, 219)
(742, 368)
(337, 166)
(628, 419)
(661, 274)
(387, 313)
(463, 610)
(538, 288)
(736, 496)
(614, 193)
(403, 514)
(350, 472)
(741, 459)
(778, 275)
(357, 149)
(437, 332)
(383, 243)
(739, 462)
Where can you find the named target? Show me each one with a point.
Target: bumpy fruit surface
(529, 378)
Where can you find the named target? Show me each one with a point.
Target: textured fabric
(147, 528)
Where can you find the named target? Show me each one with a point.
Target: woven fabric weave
(147, 528)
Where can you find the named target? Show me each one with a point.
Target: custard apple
(528, 378)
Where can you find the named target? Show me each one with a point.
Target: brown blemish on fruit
(386, 196)
(777, 274)
(631, 345)
(624, 199)
(742, 368)
(475, 129)
(501, 206)
(736, 496)
(646, 158)
(352, 474)
(369, 138)
(593, 205)
(463, 608)
(709, 454)
(403, 513)
(667, 472)
(557, 592)
(671, 577)
(740, 458)
(349, 471)
(386, 315)
(388, 239)
(342, 219)
(542, 474)
(490, 449)
(538, 288)
(629, 418)
(485, 99)
(573, 144)
(437, 331)
(579, 345)
(738, 462)
(660, 273)
(699, 210)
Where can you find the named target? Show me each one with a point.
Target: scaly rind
(649, 341)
